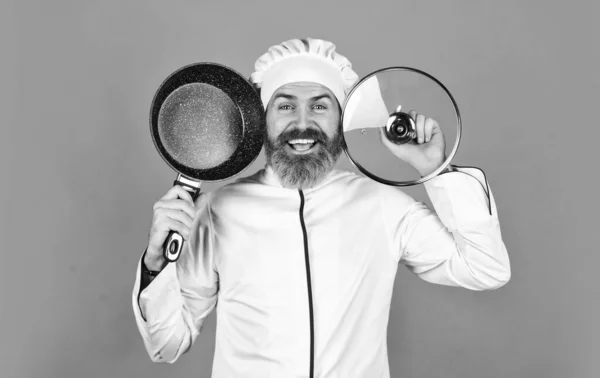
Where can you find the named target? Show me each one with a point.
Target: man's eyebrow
(292, 97)
(285, 95)
(324, 95)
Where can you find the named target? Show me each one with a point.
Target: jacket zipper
(308, 282)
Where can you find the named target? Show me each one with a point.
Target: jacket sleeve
(171, 310)
(460, 244)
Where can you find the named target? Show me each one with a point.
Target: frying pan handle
(174, 243)
(173, 246)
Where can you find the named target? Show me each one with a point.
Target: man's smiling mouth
(302, 145)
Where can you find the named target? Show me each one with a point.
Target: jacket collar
(267, 176)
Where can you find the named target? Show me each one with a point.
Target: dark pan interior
(207, 122)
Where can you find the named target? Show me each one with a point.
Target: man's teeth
(301, 141)
(301, 144)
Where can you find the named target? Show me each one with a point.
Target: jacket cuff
(164, 282)
(461, 197)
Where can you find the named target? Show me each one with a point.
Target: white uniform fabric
(246, 258)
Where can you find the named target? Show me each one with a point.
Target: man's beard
(304, 170)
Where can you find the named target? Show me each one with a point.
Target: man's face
(302, 142)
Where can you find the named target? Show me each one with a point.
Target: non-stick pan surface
(207, 122)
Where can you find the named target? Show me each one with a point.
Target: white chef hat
(303, 60)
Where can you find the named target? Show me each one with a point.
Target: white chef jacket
(258, 252)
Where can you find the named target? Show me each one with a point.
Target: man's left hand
(427, 152)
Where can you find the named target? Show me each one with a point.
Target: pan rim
(240, 91)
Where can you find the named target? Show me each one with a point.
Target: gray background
(80, 173)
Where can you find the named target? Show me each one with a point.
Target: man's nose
(303, 119)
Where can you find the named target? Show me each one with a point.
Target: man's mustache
(311, 133)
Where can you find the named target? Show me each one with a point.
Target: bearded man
(299, 259)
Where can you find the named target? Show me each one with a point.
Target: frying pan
(207, 123)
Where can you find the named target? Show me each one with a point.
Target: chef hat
(303, 60)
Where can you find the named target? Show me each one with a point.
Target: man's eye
(285, 107)
(320, 107)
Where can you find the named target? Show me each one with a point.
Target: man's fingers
(430, 124)
(180, 216)
(178, 192)
(420, 123)
(178, 227)
(414, 115)
(176, 204)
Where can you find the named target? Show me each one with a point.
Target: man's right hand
(173, 212)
